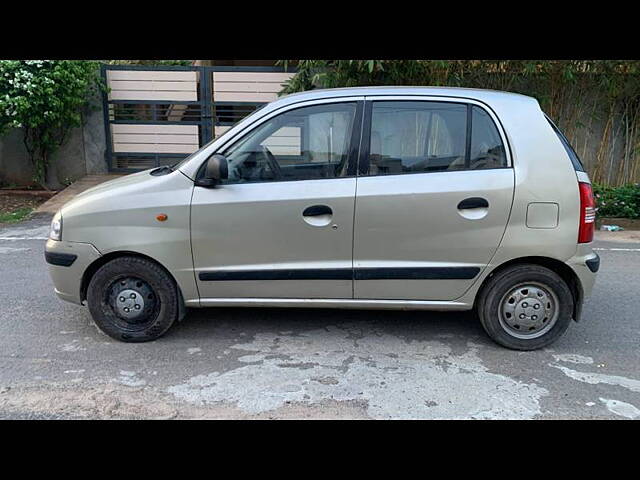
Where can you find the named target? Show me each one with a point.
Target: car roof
(510, 108)
(486, 96)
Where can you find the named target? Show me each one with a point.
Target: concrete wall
(82, 154)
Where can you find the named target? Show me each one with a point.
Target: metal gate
(159, 115)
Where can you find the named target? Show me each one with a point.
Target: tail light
(587, 213)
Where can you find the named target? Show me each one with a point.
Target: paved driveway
(276, 363)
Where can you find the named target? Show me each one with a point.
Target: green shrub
(621, 201)
(45, 99)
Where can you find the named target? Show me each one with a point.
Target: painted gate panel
(248, 86)
(152, 85)
(155, 138)
(156, 116)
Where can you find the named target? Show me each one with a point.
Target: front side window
(302, 144)
(419, 137)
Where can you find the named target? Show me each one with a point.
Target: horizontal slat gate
(152, 85)
(157, 116)
(251, 87)
(155, 138)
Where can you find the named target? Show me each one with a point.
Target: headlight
(55, 233)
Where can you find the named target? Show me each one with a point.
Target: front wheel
(525, 307)
(133, 299)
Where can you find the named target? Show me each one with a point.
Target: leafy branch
(588, 99)
(45, 98)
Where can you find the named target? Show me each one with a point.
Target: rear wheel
(133, 299)
(525, 307)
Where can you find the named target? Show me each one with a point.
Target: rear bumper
(585, 263)
(67, 263)
(594, 263)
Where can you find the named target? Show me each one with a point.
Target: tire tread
(161, 282)
(487, 305)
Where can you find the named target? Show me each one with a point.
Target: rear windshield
(577, 164)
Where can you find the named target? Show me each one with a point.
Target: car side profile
(371, 197)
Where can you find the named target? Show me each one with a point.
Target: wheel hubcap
(529, 310)
(130, 304)
(132, 299)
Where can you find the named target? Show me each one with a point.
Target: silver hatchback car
(377, 197)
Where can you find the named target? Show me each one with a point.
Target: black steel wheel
(133, 299)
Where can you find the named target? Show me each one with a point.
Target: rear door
(433, 198)
(281, 226)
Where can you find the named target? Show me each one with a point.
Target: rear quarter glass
(575, 160)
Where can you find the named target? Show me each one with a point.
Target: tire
(133, 299)
(501, 306)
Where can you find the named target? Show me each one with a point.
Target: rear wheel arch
(560, 268)
(99, 262)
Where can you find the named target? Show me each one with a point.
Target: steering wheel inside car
(272, 162)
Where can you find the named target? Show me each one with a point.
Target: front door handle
(317, 210)
(473, 202)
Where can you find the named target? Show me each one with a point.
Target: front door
(433, 200)
(281, 226)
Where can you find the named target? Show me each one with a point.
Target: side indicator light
(161, 217)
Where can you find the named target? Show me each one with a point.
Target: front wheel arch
(93, 268)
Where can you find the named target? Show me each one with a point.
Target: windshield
(179, 164)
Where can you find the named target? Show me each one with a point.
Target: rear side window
(416, 137)
(575, 160)
(427, 136)
(487, 150)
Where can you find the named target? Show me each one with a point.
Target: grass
(15, 215)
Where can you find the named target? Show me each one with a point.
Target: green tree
(594, 102)
(45, 98)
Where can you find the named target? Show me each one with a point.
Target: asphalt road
(277, 363)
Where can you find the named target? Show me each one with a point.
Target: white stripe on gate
(248, 86)
(155, 138)
(152, 85)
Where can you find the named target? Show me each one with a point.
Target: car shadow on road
(414, 325)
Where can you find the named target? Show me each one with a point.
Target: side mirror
(217, 169)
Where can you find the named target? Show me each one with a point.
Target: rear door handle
(317, 210)
(473, 202)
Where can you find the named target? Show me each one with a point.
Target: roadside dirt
(113, 401)
(624, 236)
(10, 202)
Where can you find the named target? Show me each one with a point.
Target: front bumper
(67, 263)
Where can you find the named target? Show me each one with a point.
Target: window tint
(415, 137)
(575, 160)
(301, 144)
(487, 150)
